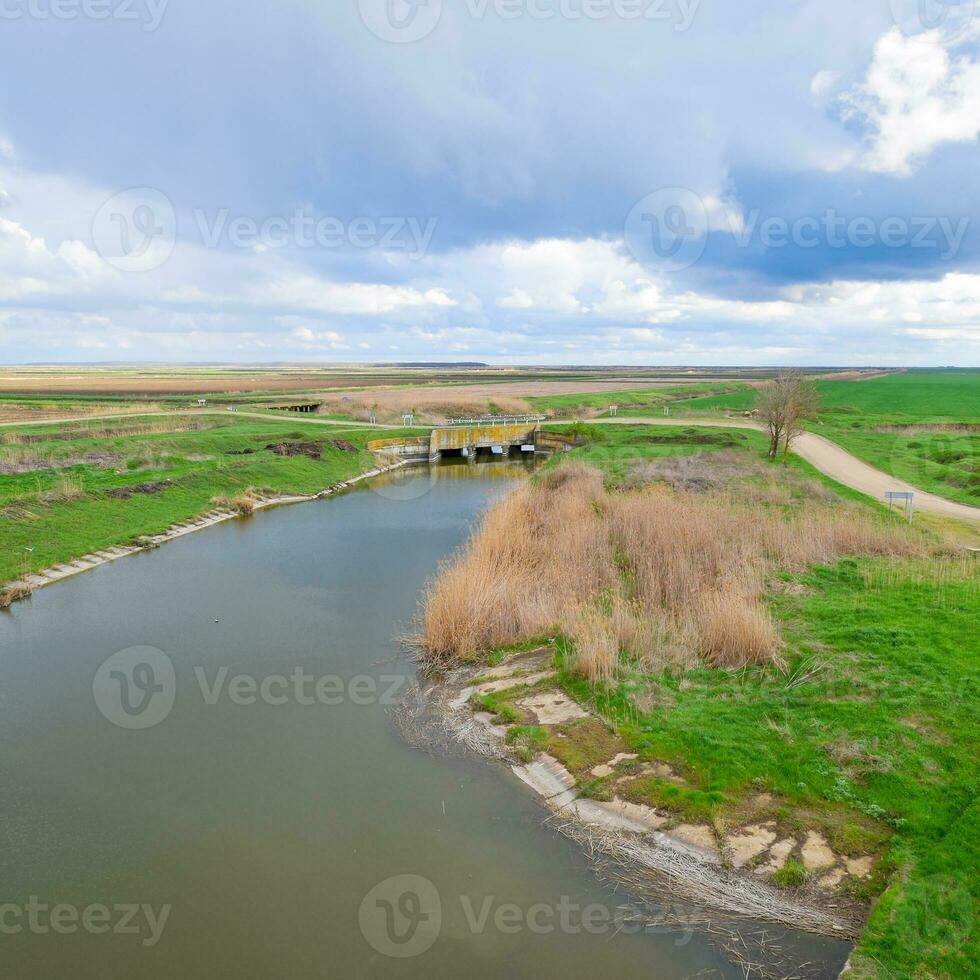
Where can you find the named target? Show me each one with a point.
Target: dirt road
(834, 462)
(819, 452)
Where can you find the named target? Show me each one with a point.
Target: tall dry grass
(390, 406)
(669, 578)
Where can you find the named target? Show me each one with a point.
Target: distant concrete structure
(306, 408)
(469, 442)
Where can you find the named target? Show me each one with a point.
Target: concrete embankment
(656, 853)
(22, 588)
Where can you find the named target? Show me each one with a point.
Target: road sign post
(902, 497)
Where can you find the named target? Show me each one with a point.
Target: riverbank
(243, 505)
(836, 765)
(91, 491)
(517, 711)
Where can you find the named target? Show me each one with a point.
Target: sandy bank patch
(553, 708)
(778, 855)
(699, 836)
(607, 768)
(816, 853)
(748, 843)
(859, 867)
(504, 684)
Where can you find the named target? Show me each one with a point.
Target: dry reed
(390, 406)
(669, 578)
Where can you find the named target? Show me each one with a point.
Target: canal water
(226, 797)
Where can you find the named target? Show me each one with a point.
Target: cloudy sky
(518, 181)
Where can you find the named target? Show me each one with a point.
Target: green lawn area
(877, 746)
(65, 512)
(904, 424)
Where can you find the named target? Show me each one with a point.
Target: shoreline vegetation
(73, 496)
(245, 504)
(747, 652)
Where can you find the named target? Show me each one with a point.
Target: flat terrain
(921, 427)
(829, 459)
(156, 380)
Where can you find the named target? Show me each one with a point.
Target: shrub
(527, 741)
(669, 577)
(791, 875)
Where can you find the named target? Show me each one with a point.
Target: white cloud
(822, 83)
(916, 96)
(552, 299)
(359, 299)
(29, 267)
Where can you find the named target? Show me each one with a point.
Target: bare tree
(804, 404)
(784, 405)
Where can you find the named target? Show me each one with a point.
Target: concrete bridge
(471, 441)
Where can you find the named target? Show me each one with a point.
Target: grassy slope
(878, 744)
(945, 463)
(896, 700)
(200, 464)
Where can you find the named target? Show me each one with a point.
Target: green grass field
(922, 427)
(70, 506)
(877, 749)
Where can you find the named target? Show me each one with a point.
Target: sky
(629, 182)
